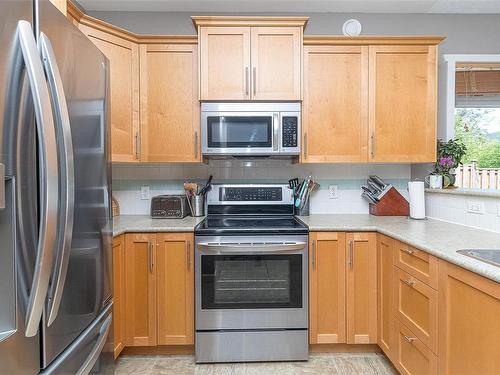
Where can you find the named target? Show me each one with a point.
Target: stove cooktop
(230, 225)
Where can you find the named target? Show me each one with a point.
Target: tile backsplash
(457, 209)
(168, 179)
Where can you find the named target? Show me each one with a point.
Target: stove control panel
(251, 194)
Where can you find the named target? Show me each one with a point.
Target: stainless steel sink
(491, 256)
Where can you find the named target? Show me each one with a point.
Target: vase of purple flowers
(449, 156)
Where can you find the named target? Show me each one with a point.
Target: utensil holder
(197, 205)
(304, 210)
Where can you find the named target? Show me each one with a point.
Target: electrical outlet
(498, 209)
(144, 192)
(333, 191)
(475, 207)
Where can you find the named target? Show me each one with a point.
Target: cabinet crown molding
(372, 40)
(200, 21)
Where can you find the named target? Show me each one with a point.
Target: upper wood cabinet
(250, 58)
(140, 290)
(175, 288)
(361, 277)
(403, 101)
(469, 324)
(224, 63)
(61, 5)
(119, 294)
(385, 263)
(327, 270)
(335, 106)
(169, 105)
(123, 56)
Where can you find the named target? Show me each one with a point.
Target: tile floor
(318, 364)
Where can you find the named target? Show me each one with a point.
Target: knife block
(392, 203)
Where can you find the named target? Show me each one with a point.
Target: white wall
(454, 208)
(168, 179)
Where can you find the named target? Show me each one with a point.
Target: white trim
(451, 62)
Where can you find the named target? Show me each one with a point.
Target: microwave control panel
(289, 131)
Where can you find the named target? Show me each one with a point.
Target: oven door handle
(220, 248)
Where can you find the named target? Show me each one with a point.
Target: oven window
(239, 131)
(251, 281)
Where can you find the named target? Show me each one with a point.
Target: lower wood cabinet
(159, 289)
(140, 290)
(343, 288)
(469, 323)
(361, 291)
(175, 288)
(385, 265)
(327, 324)
(118, 294)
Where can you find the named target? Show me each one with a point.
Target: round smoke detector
(351, 27)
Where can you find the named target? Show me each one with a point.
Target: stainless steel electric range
(251, 276)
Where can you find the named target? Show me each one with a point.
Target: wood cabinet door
(402, 102)
(326, 288)
(385, 263)
(123, 58)
(469, 324)
(361, 254)
(224, 63)
(276, 63)
(118, 294)
(170, 125)
(335, 106)
(175, 288)
(140, 290)
(417, 263)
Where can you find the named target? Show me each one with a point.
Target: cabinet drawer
(417, 263)
(412, 356)
(416, 307)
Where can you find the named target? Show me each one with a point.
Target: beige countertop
(437, 237)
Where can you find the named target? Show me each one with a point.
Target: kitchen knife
(378, 181)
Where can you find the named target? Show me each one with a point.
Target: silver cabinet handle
(305, 146)
(276, 129)
(2, 186)
(372, 139)
(188, 254)
(195, 145)
(351, 254)
(150, 256)
(254, 81)
(67, 177)
(409, 251)
(409, 339)
(137, 147)
(247, 81)
(409, 282)
(48, 176)
(96, 351)
(314, 254)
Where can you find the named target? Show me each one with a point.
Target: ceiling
(298, 6)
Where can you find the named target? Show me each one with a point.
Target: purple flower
(446, 161)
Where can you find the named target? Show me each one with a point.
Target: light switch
(475, 207)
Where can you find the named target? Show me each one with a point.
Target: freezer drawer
(92, 350)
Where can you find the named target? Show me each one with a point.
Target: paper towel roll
(417, 199)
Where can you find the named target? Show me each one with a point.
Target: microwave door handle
(67, 177)
(276, 127)
(221, 248)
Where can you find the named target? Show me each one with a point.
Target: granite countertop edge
(385, 226)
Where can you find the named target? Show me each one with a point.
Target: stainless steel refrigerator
(55, 216)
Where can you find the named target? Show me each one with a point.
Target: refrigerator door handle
(96, 351)
(2, 186)
(67, 177)
(48, 177)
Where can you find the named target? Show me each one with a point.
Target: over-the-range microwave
(250, 129)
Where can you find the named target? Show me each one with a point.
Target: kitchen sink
(491, 256)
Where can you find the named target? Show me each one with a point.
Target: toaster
(169, 207)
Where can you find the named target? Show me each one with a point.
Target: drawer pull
(409, 339)
(409, 282)
(409, 251)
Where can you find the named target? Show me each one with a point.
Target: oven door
(251, 282)
(240, 133)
